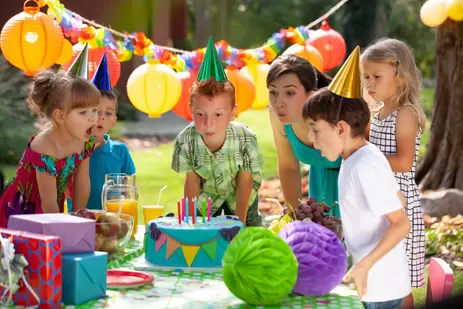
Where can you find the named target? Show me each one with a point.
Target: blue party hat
(101, 78)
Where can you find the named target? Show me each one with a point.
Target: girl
(392, 78)
(57, 155)
(291, 80)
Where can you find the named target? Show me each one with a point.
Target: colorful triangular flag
(189, 252)
(210, 248)
(160, 241)
(172, 245)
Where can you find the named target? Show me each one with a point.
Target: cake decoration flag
(160, 241)
(211, 65)
(79, 68)
(346, 83)
(210, 249)
(172, 246)
(101, 78)
(189, 252)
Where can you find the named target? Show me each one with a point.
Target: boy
(221, 159)
(109, 156)
(373, 219)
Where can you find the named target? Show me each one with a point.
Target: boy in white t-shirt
(373, 218)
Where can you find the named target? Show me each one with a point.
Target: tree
(442, 164)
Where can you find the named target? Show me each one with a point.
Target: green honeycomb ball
(259, 267)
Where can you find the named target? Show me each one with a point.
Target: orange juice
(129, 207)
(151, 212)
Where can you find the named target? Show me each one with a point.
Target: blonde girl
(392, 79)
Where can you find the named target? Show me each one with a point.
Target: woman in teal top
(291, 80)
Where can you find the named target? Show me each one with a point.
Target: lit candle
(179, 213)
(187, 210)
(193, 211)
(209, 202)
(183, 208)
(203, 210)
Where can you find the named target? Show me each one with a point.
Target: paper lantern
(454, 9)
(182, 108)
(66, 52)
(321, 257)
(154, 89)
(433, 13)
(330, 44)
(94, 58)
(31, 41)
(258, 267)
(307, 52)
(257, 72)
(245, 91)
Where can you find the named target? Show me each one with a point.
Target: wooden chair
(440, 281)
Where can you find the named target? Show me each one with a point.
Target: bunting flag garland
(210, 249)
(160, 241)
(172, 246)
(125, 45)
(189, 252)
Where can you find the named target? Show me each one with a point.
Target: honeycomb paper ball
(321, 257)
(258, 267)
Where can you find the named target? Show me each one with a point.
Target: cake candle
(203, 210)
(194, 210)
(209, 202)
(187, 210)
(179, 213)
(183, 208)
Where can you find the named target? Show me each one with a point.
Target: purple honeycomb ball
(321, 256)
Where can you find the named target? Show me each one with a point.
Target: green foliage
(16, 122)
(446, 243)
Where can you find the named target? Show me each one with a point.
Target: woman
(291, 80)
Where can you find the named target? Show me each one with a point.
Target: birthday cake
(169, 243)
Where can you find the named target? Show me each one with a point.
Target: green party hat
(211, 66)
(79, 68)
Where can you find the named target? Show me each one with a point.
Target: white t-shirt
(367, 192)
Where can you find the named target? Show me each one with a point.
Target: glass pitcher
(120, 191)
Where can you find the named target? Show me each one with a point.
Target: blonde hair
(408, 79)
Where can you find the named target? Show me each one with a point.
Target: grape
(297, 212)
(314, 204)
(326, 208)
(285, 211)
(309, 215)
(320, 209)
(311, 200)
(306, 209)
(302, 216)
(317, 217)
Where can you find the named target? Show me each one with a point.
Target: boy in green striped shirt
(221, 158)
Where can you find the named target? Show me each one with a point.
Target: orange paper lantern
(245, 91)
(66, 52)
(182, 108)
(257, 72)
(94, 58)
(307, 52)
(330, 44)
(31, 41)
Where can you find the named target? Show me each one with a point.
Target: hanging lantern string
(181, 51)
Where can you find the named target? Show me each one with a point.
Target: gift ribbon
(11, 271)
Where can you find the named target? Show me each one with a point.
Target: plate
(121, 279)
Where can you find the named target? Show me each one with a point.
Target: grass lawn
(153, 169)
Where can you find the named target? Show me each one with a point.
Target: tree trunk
(442, 164)
(179, 24)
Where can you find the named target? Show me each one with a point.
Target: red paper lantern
(94, 58)
(330, 44)
(182, 108)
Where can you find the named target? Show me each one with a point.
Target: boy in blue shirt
(109, 156)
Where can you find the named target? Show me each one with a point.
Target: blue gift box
(84, 277)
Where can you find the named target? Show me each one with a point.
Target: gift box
(77, 234)
(84, 277)
(42, 275)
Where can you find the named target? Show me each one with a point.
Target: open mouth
(89, 130)
(99, 127)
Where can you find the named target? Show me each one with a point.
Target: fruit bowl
(112, 232)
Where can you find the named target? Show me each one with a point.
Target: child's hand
(359, 274)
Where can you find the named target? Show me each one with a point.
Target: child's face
(326, 138)
(379, 80)
(211, 115)
(106, 117)
(287, 96)
(80, 122)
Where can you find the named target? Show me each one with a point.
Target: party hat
(79, 68)
(347, 82)
(211, 66)
(101, 78)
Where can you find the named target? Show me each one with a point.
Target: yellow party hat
(347, 82)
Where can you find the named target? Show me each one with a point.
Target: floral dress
(21, 194)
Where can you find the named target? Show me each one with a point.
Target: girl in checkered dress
(391, 78)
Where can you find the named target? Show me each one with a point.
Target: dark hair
(52, 90)
(211, 87)
(310, 77)
(327, 106)
(108, 94)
